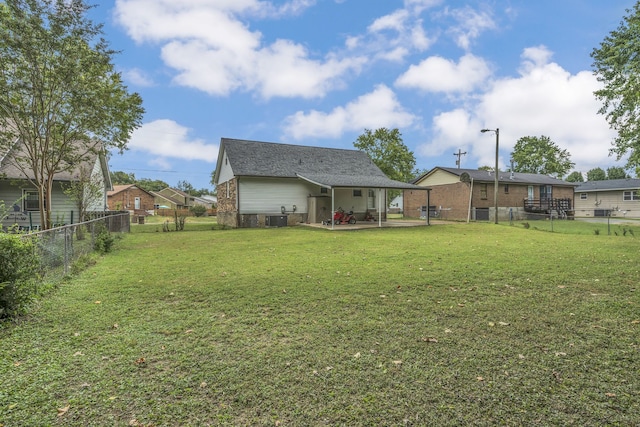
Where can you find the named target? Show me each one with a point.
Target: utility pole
(459, 154)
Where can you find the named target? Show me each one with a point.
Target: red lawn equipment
(342, 217)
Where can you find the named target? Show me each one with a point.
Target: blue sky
(319, 72)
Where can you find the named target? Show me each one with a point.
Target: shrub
(198, 210)
(103, 240)
(19, 267)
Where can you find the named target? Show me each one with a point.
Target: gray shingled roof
(329, 167)
(503, 176)
(9, 168)
(609, 185)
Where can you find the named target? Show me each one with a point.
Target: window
(483, 191)
(631, 196)
(583, 196)
(324, 190)
(228, 191)
(357, 193)
(506, 189)
(30, 201)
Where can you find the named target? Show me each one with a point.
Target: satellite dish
(464, 177)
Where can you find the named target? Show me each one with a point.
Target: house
(131, 198)
(468, 194)
(270, 184)
(396, 205)
(178, 199)
(21, 198)
(163, 202)
(614, 197)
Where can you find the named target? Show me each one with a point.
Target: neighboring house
(163, 202)
(614, 197)
(468, 194)
(183, 200)
(21, 198)
(211, 199)
(130, 198)
(396, 205)
(265, 184)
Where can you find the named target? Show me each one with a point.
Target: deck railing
(547, 205)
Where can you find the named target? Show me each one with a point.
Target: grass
(444, 325)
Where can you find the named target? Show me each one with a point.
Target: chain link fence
(58, 248)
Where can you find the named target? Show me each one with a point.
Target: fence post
(66, 251)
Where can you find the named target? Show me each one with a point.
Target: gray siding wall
(62, 208)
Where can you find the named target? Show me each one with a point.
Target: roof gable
(120, 188)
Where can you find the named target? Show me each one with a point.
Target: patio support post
(333, 206)
(379, 207)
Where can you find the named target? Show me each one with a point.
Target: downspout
(470, 196)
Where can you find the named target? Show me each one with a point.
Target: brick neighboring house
(130, 198)
(461, 194)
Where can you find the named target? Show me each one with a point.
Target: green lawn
(455, 324)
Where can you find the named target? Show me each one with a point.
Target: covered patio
(377, 183)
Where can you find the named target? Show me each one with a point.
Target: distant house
(614, 197)
(264, 184)
(178, 199)
(130, 198)
(468, 194)
(163, 202)
(21, 198)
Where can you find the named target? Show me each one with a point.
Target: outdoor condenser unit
(276, 221)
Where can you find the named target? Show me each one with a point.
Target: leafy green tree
(616, 172)
(122, 178)
(540, 155)
(575, 176)
(486, 168)
(388, 152)
(186, 187)
(417, 173)
(202, 192)
(596, 174)
(87, 191)
(616, 64)
(61, 101)
(148, 184)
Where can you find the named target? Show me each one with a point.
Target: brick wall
(453, 199)
(125, 200)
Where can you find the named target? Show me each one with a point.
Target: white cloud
(394, 21)
(544, 100)
(417, 6)
(376, 109)
(471, 24)
(138, 77)
(394, 36)
(166, 139)
(437, 74)
(214, 50)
